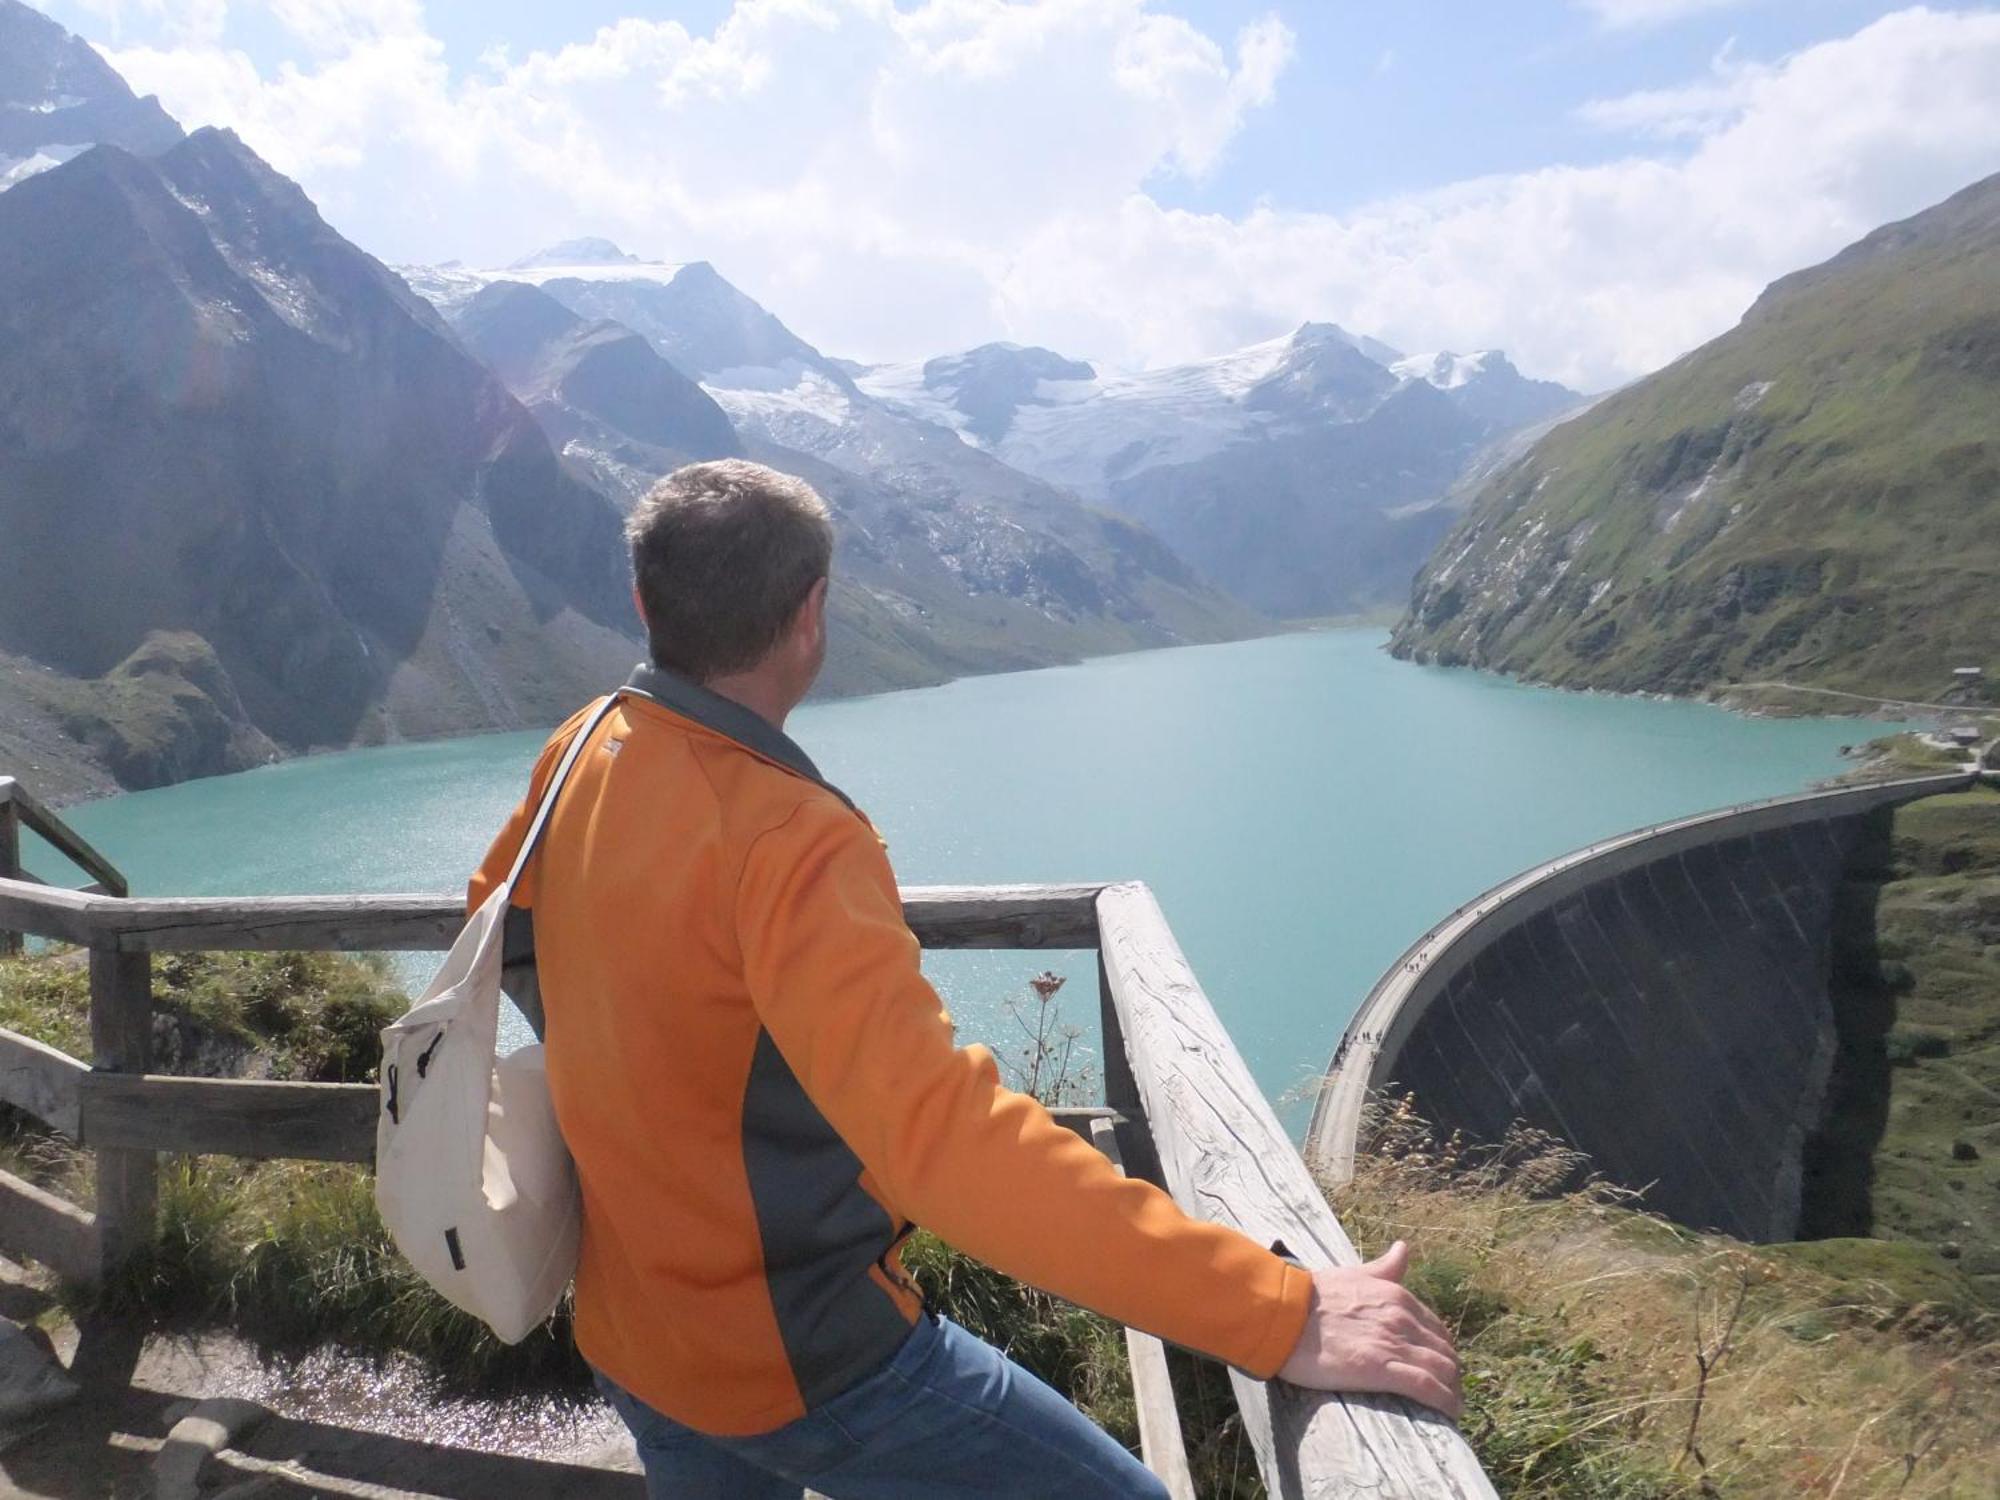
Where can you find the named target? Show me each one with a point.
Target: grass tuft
(311, 1017)
(1611, 1355)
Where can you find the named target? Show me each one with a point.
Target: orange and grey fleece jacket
(763, 1094)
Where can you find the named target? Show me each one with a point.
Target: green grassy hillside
(1810, 497)
(1912, 1154)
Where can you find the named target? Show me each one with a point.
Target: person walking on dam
(764, 1097)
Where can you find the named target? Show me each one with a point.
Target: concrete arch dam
(1660, 1001)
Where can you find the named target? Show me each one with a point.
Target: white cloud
(897, 181)
(1632, 15)
(336, 26)
(1693, 109)
(186, 21)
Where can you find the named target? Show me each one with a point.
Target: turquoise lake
(1304, 806)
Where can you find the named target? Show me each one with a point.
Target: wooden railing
(19, 810)
(1181, 1109)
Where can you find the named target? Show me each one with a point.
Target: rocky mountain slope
(961, 562)
(941, 571)
(697, 321)
(603, 395)
(255, 496)
(1811, 497)
(1301, 474)
(58, 98)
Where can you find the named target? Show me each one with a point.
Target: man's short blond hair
(724, 553)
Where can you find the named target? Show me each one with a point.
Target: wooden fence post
(1162, 1444)
(1121, 1087)
(121, 1039)
(10, 865)
(1121, 1090)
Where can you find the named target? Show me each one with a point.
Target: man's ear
(812, 613)
(639, 605)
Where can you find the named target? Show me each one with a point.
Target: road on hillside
(1794, 687)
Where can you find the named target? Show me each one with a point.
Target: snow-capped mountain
(588, 251)
(705, 326)
(951, 561)
(1486, 386)
(449, 286)
(602, 393)
(979, 393)
(1294, 473)
(1298, 473)
(1061, 419)
(58, 98)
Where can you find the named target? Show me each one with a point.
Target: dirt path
(339, 1426)
(1794, 687)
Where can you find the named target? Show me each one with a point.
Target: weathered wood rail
(19, 810)
(1180, 1108)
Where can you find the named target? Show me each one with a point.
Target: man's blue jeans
(948, 1416)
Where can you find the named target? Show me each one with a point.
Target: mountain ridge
(1305, 476)
(1808, 497)
(58, 98)
(257, 497)
(947, 562)
(1303, 473)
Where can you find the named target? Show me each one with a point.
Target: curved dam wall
(1659, 1001)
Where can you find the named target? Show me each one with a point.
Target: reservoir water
(1304, 806)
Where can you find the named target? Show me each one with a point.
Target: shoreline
(62, 802)
(1722, 695)
(1885, 710)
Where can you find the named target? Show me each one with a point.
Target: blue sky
(1595, 185)
(1390, 98)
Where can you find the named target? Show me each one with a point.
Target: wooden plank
(47, 911)
(347, 924)
(1225, 1158)
(1027, 916)
(121, 1038)
(121, 1010)
(65, 840)
(1121, 1091)
(1161, 1442)
(10, 861)
(41, 1080)
(42, 1227)
(231, 1117)
(1084, 1118)
(1003, 916)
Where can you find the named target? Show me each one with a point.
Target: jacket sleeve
(835, 975)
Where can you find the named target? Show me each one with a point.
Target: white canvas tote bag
(472, 1177)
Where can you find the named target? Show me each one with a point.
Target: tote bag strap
(556, 781)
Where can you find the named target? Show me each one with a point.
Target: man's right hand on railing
(1366, 1332)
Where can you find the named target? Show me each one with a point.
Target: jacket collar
(726, 717)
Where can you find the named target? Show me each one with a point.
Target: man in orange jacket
(763, 1095)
